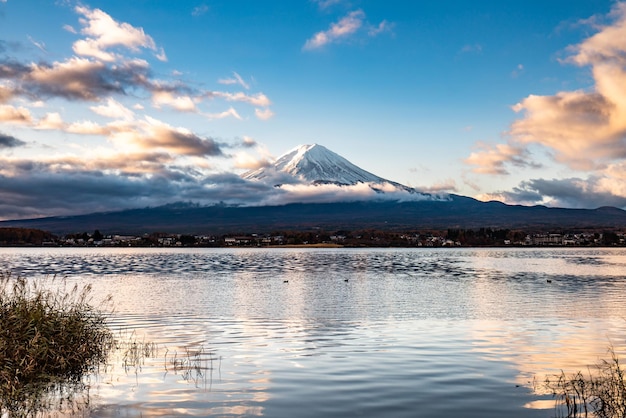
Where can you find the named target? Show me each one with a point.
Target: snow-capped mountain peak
(316, 164)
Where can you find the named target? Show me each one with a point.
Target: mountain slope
(458, 212)
(315, 164)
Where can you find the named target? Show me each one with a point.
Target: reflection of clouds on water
(542, 328)
(538, 349)
(408, 328)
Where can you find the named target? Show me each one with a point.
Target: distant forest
(24, 237)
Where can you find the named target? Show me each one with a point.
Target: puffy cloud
(151, 134)
(605, 188)
(263, 114)
(493, 159)
(329, 193)
(51, 121)
(244, 160)
(606, 45)
(16, 115)
(139, 161)
(8, 141)
(181, 103)
(105, 33)
(84, 79)
(86, 128)
(580, 127)
(248, 142)
(445, 186)
(5, 94)
(113, 109)
(112, 182)
(585, 129)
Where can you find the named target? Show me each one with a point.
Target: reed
(601, 393)
(49, 340)
(194, 365)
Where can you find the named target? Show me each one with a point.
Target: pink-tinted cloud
(15, 115)
(342, 29)
(264, 114)
(583, 129)
(493, 159)
(347, 27)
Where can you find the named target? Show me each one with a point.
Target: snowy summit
(315, 164)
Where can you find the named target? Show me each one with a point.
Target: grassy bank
(49, 340)
(599, 393)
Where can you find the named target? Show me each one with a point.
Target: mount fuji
(313, 187)
(315, 164)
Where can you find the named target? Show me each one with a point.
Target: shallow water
(346, 332)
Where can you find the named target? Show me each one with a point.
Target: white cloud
(236, 79)
(200, 10)
(258, 99)
(231, 112)
(263, 114)
(15, 115)
(113, 109)
(244, 160)
(105, 33)
(180, 103)
(345, 27)
(87, 128)
(51, 121)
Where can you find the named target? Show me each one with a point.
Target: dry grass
(602, 393)
(49, 340)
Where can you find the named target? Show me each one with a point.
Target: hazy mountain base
(458, 212)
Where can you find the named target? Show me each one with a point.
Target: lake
(345, 332)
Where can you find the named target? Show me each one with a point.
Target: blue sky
(114, 104)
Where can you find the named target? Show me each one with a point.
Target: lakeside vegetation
(49, 340)
(53, 339)
(452, 237)
(601, 393)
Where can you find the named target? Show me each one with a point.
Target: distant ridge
(458, 212)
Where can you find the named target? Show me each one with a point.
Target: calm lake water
(345, 332)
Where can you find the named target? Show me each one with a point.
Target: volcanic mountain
(316, 164)
(316, 188)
